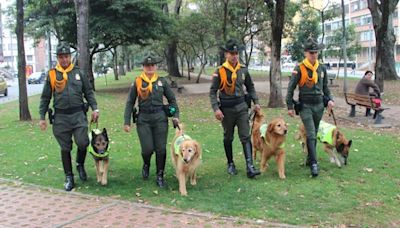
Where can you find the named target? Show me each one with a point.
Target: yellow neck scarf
(144, 92)
(60, 84)
(304, 74)
(225, 85)
(64, 71)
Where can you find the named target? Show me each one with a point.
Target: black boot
(81, 172)
(312, 154)
(80, 161)
(247, 150)
(353, 111)
(229, 156)
(160, 162)
(67, 165)
(146, 165)
(69, 182)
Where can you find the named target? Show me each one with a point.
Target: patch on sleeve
(294, 72)
(215, 75)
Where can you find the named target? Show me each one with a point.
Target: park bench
(174, 84)
(331, 77)
(364, 101)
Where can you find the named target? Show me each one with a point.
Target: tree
(307, 26)
(197, 31)
(111, 23)
(277, 13)
(334, 47)
(382, 15)
(24, 113)
(82, 23)
(171, 51)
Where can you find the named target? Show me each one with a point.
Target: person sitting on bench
(363, 88)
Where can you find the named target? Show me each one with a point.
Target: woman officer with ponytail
(152, 123)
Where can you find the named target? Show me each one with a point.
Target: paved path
(24, 205)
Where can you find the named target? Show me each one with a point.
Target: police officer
(311, 78)
(68, 87)
(152, 121)
(228, 102)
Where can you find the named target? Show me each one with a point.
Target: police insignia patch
(159, 83)
(77, 77)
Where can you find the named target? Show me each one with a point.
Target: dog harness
(94, 153)
(178, 143)
(263, 131)
(325, 131)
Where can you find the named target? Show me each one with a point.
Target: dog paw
(193, 182)
(183, 193)
(282, 177)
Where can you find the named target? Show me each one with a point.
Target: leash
(252, 116)
(333, 116)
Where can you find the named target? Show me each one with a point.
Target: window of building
(8, 58)
(328, 27)
(29, 58)
(355, 6)
(363, 4)
(12, 47)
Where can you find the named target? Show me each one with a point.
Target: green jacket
(160, 89)
(76, 88)
(319, 89)
(243, 78)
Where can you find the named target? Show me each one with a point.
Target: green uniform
(234, 106)
(70, 118)
(152, 122)
(312, 99)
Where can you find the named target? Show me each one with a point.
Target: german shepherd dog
(269, 139)
(186, 158)
(336, 140)
(99, 142)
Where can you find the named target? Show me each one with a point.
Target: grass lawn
(364, 193)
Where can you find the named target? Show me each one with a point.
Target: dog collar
(94, 153)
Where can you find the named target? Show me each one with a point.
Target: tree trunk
(382, 16)
(171, 51)
(115, 63)
(221, 53)
(24, 114)
(277, 15)
(82, 23)
(188, 66)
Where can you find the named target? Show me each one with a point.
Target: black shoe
(145, 171)
(232, 169)
(69, 183)
(252, 172)
(314, 170)
(82, 172)
(160, 179)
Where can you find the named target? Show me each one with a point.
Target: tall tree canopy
(111, 23)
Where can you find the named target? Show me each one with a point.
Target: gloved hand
(175, 122)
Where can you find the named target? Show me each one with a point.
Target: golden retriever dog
(99, 149)
(269, 140)
(186, 158)
(332, 138)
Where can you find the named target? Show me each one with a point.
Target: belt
(229, 103)
(311, 99)
(151, 110)
(69, 110)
